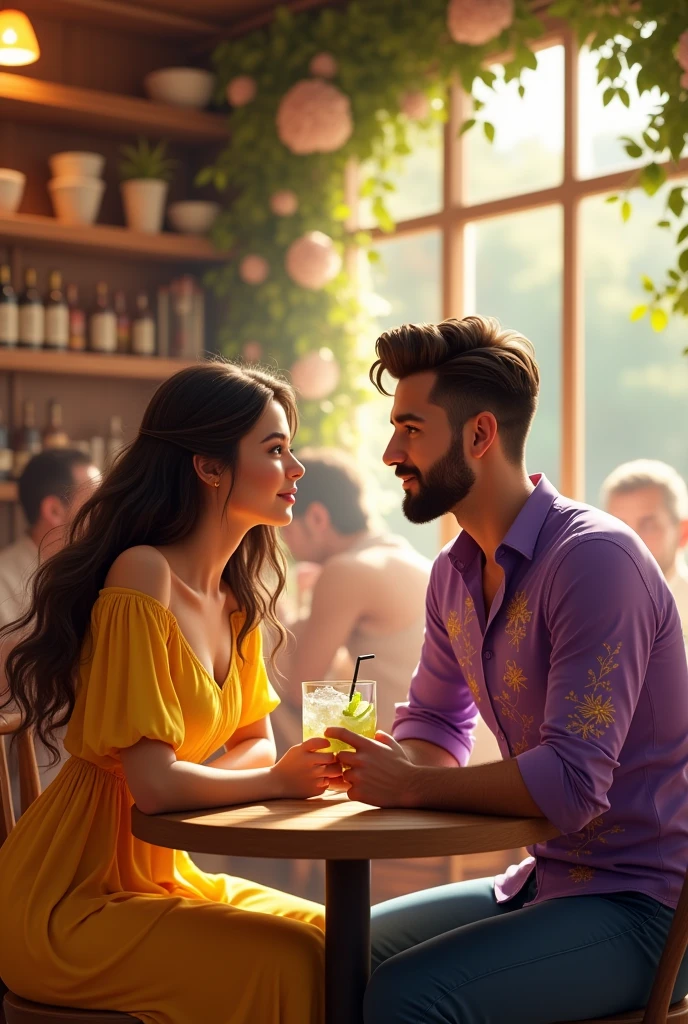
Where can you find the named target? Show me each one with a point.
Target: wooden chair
(18, 1010)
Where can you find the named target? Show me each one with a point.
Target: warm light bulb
(18, 43)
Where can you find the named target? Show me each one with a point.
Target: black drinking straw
(359, 659)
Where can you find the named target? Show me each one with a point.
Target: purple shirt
(580, 672)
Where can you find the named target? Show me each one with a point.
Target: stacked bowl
(76, 187)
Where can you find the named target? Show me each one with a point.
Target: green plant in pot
(146, 172)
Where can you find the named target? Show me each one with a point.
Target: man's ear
(683, 533)
(317, 517)
(53, 511)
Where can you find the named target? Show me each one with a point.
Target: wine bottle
(115, 441)
(54, 435)
(9, 311)
(77, 321)
(5, 450)
(103, 322)
(56, 315)
(27, 441)
(123, 323)
(143, 328)
(31, 313)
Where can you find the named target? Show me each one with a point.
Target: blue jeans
(453, 955)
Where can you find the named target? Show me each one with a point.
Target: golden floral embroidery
(592, 833)
(514, 677)
(518, 615)
(457, 630)
(580, 874)
(508, 702)
(595, 712)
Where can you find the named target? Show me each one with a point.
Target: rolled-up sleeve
(602, 621)
(441, 709)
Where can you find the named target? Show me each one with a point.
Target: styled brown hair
(480, 367)
(152, 495)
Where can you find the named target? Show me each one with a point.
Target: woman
(144, 636)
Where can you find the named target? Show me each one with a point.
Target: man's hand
(379, 772)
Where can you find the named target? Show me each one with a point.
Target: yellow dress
(92, 917)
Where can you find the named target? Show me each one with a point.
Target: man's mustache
(408, 471)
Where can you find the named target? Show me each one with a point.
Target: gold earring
(217, 483)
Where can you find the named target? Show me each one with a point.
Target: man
(554, 620)
(651, 498)
(369, 595)
(53, 486)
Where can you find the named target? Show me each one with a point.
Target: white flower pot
(144, 204)
(73, 164)
(11, 189)
(76, 200)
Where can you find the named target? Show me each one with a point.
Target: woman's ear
(208, 470)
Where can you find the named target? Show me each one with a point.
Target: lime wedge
(351, 707)
(362, 710)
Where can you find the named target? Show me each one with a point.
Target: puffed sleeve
(127, 691)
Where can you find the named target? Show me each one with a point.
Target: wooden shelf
(89, 364)
(30, 99)
(9, 491)
(165, 247)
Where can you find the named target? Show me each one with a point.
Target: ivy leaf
(489, 130)
(373, 256)
(608, 95)
(633, 150)
(341, 212)
(624, 97)
(612, 199)
(682, 235)
(466, 126)
(676, 202)
(673, 275)
(663, 224)
(647, 283)
(683, 261)
(521, 90)
(658, 320)
(638, 313)
(382, 215)
(652, 178)
(625, 210)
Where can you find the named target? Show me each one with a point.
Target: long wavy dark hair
(150, 496)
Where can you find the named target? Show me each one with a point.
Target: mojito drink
(327, 704)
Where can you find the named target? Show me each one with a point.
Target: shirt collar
(524, 531)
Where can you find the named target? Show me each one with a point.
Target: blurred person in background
(368, 590)
(52, 488)
(652, 498)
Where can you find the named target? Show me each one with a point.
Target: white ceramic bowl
(193, 216)
(77, 165)
(180, 87)
(76, 200)
(11, 189)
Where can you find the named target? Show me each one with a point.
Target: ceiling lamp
(18, 43)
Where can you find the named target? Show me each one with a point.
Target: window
(521, 230)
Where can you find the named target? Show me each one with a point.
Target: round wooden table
(347, 836)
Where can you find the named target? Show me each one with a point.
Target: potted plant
(146, 173)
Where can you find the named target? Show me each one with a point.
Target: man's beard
(447, 482)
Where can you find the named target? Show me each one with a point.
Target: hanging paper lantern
(241, 90)
(682, 51)
(254, 269)
(316, 375)
(252, 351)
(323, 65)
(284, 203)
(478, 21)
(312, 260)
(415, 105)
(314, 117)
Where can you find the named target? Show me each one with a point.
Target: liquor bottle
(77, 321)
(9, 311)
(123, 323)
(143, 328)
(103, 322)
(5, 450)
(27, 441)
(31, 313)
(115, 441)
(56, 315)
(54, 435)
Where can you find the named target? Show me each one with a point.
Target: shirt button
(487, 655)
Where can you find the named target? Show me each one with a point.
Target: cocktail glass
(326, 703)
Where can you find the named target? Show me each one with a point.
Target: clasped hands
(378, 770)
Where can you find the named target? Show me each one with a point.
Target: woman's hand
(305, 770)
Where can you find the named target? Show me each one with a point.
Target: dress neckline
(173, 618)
